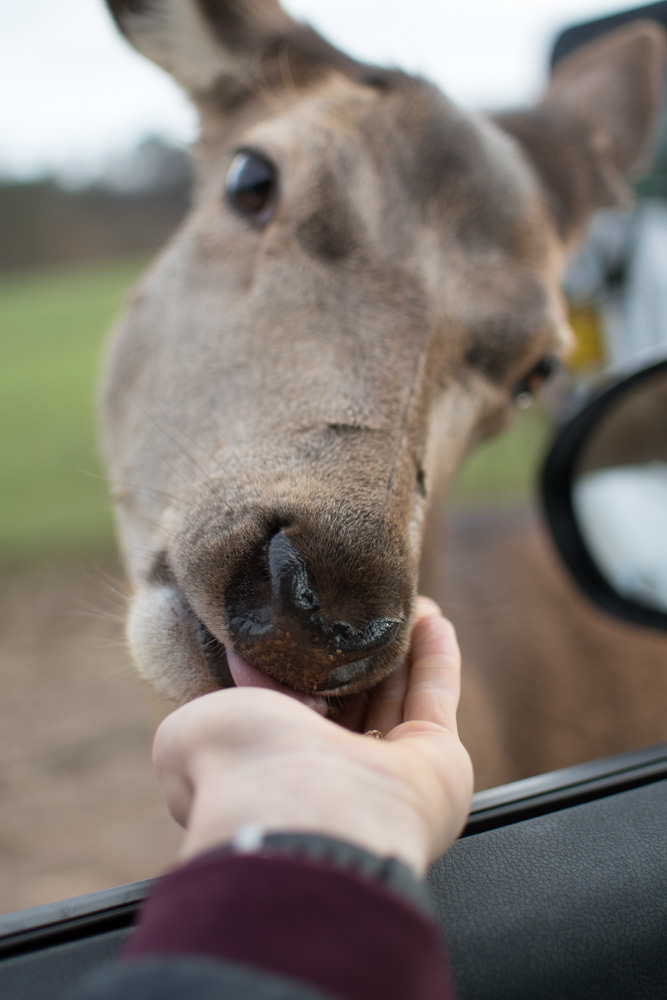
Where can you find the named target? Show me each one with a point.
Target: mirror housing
(604, 491)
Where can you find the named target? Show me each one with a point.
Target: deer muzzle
(316, 603)
(278, 621)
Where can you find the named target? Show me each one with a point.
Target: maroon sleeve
(301, 918)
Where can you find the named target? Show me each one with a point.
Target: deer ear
(596, 123)
(198, 41)
(231, 47)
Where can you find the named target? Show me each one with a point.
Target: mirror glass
(620, 493)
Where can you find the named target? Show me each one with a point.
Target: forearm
(323, 924)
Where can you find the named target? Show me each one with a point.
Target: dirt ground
(80, 806)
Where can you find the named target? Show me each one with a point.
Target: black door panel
(570, 904)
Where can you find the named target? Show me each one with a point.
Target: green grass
(505, 469)
(53, 499)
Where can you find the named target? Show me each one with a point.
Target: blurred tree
(132, 209)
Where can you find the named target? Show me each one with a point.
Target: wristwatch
(390, 872)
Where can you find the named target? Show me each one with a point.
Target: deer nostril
(290, 586)
(370, 638)
(379, 632)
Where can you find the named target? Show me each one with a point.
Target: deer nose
(294, 599)
(279, 624)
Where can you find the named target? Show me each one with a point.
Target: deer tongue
(245, 675)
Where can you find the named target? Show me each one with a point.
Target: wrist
(323, 849)
(385, 828)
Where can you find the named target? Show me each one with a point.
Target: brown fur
(548, 680)
(326, 372)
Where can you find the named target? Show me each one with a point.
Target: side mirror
(604, 493)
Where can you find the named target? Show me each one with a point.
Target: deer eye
(536, 377)
(251, 186)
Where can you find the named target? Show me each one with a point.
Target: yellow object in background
(589, 345)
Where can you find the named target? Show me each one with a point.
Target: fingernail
(426, 608)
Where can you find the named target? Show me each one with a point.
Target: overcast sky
(73, 93)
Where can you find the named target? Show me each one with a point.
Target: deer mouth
(184, 658)
(231, 670)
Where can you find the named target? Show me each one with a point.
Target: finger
(435, 674)
(425, 607)
(176, 786)
(385, 711)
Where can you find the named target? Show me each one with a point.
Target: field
(54, 500)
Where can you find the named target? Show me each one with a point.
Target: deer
(366, 285)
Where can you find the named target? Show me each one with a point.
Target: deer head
(367, 279)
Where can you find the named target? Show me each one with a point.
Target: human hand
(253, 755)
